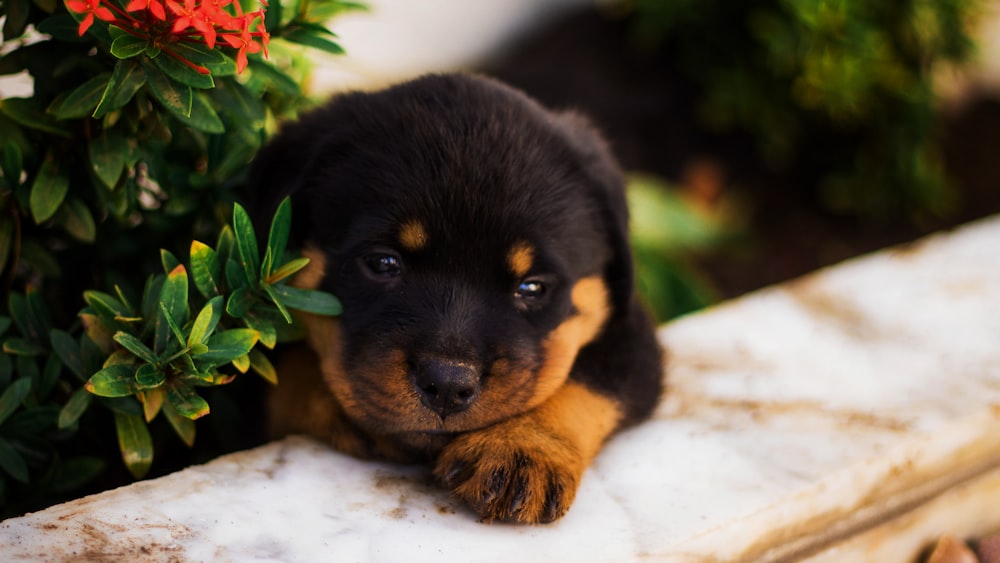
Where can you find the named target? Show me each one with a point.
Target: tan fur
(303, 404)
(312, 275)
(590, 297)
(520, 258)
(542, 454)
(413, 236)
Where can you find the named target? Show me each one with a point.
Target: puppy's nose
(446, 387)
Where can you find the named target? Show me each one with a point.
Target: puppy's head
(476, 240)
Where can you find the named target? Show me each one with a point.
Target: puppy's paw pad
(507, 480)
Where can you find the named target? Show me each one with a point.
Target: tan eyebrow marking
(520, 258)
(413, 235)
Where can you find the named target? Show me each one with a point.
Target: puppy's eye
(382, 266)
(530, 291)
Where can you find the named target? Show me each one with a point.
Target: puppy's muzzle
(446, 387)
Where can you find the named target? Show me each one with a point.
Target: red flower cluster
(173, 21)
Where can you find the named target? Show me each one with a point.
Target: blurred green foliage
(840, 89)
(669, 230)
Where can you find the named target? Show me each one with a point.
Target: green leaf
(82, 100)
(265, 329)
(308, 300)
(260, 364)
(28, 112)
(75, 407)
(226, 346)
(290, 268)
(116, 380)
(126, 80)
(224, 246)
(126, 46)
(205, 322)
(205, 269)
(27, 368)
(12, 462)
(48, 191)
(176, 98)
(173, 307)
(97, 332)
(22, 347)
(149, 376)
(236, 276)
(12, 164)
(50, 376)
(17, 305)
(134, 345)
(12, 397)
(224, 67)
(241, 104)
(198, 54)
(203, 116)
(186, 401)
(16, 12)
(124, 405)
(135, 443)
(274, 78)
(182, 73)
(246, 243)
(77, 220)
(39, 258)
(239, 303)
(62, 27)
(242, 364)
(109, 153)
(38, 314)
(151, 295)
(152, 402)
(108, 309)
(183, 426)
(276, 299)
(311, 38)
(168, 260)
(67, 349)
(314, 28)
(28, 423)
(172, 324)
(277, 238)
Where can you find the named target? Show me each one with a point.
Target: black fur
(481, 167)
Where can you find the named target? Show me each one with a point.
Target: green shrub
(134, 139)
(842, 90)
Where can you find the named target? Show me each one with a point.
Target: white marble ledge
(813, 418)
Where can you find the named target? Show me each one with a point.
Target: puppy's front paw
(513, 471)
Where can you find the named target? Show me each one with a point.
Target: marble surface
(800, 420)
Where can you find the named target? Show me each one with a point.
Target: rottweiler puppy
(479, 245)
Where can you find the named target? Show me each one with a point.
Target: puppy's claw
(519, 491)
(458, 473)
(554, 508)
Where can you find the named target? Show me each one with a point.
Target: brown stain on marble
(683, 403)
(810, 293)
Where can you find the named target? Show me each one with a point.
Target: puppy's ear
(292, 163)
(607, 186)
(280, 169)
